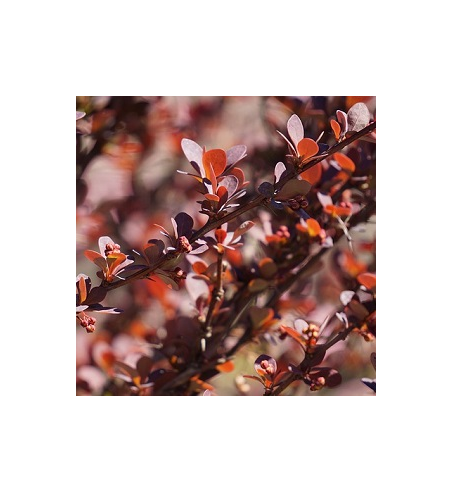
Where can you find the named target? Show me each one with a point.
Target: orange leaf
(314, 174)
(92, 255)
(217, 159)
(228, 366)
(220, 235)
(345, 162)
(369, 280)
(313, 227)
(293, 334)
(336, 129)
(82, 289)
(239, 174)
(306, 148)
(199, 267)
(213, 198)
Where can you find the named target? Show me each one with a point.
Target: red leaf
(228, 366)
(345, 162)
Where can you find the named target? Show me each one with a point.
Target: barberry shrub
(234, 241)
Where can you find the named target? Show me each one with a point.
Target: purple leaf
(184, 225)
(79, 114)
(230, 182)
(96, 295)
(358, 117)
(234, 154)
(154, 250)
(295, 129)
(342, 119)
(193, 152)
(246, 226)
(280, 168)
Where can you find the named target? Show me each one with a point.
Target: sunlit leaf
(217, 159)
(280, 168)
(79, 114)
(235, 154)
(295, 129)
(230, 182)
(346, 296)
(293, 188)
(313, 227)
(227, 366)
(293, 334)
(239, 174)
(342, 119)
(358, 117)
(213, 198)
(220, 235)
(82, 289)
(307, 148)
(336, 129)
(314, 174)
(369, 280)
(192, 151)
(344, 162)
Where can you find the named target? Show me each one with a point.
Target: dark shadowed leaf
(192, 151)
(358, 117)
(373, 359)
(267, 268)
(293, 188)
(144, 365)
(260, 315)
(295, 129)
(257, 285)
(96, 295)
(266, 189)
(184, 225)
(107, 310)
(370, 383)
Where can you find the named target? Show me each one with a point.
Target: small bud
(183, 245)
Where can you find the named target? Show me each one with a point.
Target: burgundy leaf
(293, 188)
